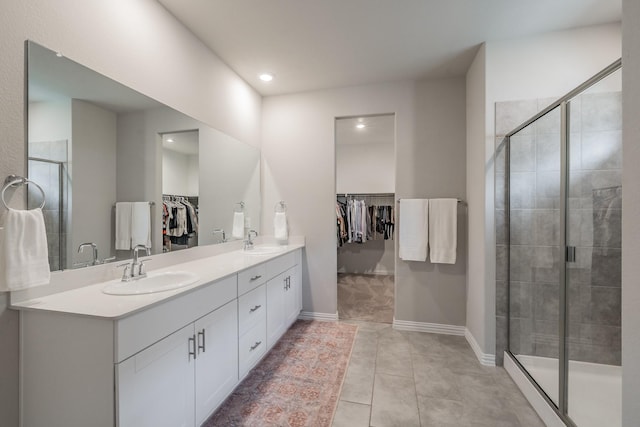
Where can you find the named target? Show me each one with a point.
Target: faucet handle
(126, 273)
(141, 269)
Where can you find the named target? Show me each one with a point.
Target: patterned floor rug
(297, 384)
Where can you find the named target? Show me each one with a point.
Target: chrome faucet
(135, 269)
(248, 244)
(94, 253)
(220, 231)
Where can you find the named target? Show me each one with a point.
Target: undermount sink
(158, 282)
(264, 250)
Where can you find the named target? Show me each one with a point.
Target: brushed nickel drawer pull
(253, 347)
(255, 278)
(192, 347)
(251, 310)
(201, 346)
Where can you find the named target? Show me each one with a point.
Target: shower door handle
(571, 254)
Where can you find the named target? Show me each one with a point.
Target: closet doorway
(365, 217)
(180, 189)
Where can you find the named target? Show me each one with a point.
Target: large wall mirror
(121, 169)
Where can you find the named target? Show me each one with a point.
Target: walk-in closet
(365, 217)
(180, 190)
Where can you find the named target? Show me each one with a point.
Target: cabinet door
(291, 296)
(217, 358)
(155, 387)
(276, 316)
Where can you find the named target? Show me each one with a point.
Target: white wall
(299, 167)
(177, 177)
(50, 121)
(93, 176)
(129, 42)
(365, 168)
(545, 66)
(630, 213)
(429, 166)
(479, 297)
(298, 152)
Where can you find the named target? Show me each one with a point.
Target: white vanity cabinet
(156, 386)
(283, 301)
(170, 363)
(187, 374)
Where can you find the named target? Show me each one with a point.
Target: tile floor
(406, 379)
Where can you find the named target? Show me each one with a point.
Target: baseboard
(540, 405)
(434, 328)
(325, 317)
(484, 358)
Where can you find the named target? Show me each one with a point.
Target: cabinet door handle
(251, 310)
(192, 347)
(255, 278)
(253, 347)
(201, 346)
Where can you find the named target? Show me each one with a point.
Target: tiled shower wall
(595, 200)
(46, 175)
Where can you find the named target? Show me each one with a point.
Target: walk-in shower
(559, 205)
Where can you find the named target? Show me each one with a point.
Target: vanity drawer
(251, 278)
(140, 330)
(280, 264)
(252, 346)
(252, 309)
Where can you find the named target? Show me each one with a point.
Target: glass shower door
(594, 212)
(534, 250)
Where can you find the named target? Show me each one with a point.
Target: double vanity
(156, 356)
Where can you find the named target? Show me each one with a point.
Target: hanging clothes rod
(150, 203)
(365, 194)
(459, 201)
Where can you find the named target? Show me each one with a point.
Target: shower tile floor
(365, 297)
(399, 378)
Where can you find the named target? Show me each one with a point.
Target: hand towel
(443, 226)
(24, 251)
(280, 226)
(141, 224)
(123, 225)
(238, 225)
(414, 229)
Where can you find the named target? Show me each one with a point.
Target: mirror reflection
(102, 153)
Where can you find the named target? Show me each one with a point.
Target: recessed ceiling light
(360, 125)
(169, 140)
(266, 77)
(59, 54)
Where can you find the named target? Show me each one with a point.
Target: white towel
(123, 225)
(443, 226)
(238, 225)
(24, 251)
(280, 226)
(414, 229)
(141, 224)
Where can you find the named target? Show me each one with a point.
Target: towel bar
(15, 180)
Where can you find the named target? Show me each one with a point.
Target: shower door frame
(564, 104)
(62, 255)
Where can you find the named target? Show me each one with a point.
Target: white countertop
(91, 301)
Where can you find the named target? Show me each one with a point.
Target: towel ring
(241, 207)
(14, 180)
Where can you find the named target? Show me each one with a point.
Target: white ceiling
(320, 44)
(182, 142)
